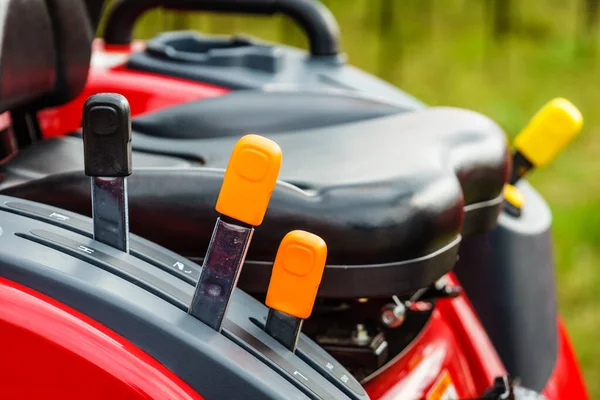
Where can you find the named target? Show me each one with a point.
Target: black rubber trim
(327, 368)
(261, 351)
(401, 277)
(313, 17)
(180, 267)
(111, 264)
(373, 280)
(482, 217)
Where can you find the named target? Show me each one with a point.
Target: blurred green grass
(444, 54)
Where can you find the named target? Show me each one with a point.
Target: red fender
(50, 351)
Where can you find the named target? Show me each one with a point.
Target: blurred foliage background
(504, 58)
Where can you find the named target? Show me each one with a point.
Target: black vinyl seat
(388, 194)
(461, 154)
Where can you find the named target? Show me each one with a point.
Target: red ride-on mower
(402, 255)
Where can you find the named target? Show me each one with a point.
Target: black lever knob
(107, 158)
(107, 135)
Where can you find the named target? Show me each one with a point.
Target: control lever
(295, 280)
(249, 181)
(107, 158)
(553, 127)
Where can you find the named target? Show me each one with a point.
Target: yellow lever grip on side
(549, 131)
(297, 274)
(249, 180)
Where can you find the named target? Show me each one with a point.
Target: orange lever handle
(297, 274)
(249, 180)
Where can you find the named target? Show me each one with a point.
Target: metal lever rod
(110, 212)
(284, 328)
(220, 272)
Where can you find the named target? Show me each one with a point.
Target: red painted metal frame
(566, 382)
(146, 92)
(50, 351)
(455, 342)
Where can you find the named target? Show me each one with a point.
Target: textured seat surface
(263, 111)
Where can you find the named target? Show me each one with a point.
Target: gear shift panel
(56, 256)
(190, 319)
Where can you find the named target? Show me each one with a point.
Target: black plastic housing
(508, 274)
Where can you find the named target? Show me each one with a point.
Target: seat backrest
(73, 35)
(95, 9)
(27, 54)
(45, 52)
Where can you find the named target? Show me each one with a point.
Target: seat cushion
(439, 144)
(391, 196)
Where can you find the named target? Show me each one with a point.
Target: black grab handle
(314, 18)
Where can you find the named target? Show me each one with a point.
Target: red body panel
(146, 92)
(566, 382)
(50, 351)
(453, 343)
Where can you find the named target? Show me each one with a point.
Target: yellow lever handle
(297, 274)
(249, 180)
(549, 131)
